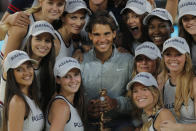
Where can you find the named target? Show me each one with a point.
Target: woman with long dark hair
(187, 28)
(66, 110)
(21, 105)
(40, 46)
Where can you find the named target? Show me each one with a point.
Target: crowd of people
(98, 65)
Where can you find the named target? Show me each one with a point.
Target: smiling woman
(147, 99)
(147, 59)
(160, 26)
(73, 21)
(66, 110)
(21, 105)
(179, 90)
(187, 25)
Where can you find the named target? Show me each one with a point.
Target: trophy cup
(102, 120)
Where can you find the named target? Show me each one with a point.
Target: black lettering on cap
(67, 61)
(17, 55)
(145, 46)
(187, 4)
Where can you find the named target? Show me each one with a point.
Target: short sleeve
(19, 5)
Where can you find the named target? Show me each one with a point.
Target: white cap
(143, 78)
(64, 65)
(40, 27)
(160, 13)
(138, 6)
(75, 5)
(177, 43)
(148, 49)
(186, 7)
(16, 58)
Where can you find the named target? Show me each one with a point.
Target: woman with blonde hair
(147, 99)
(179, 90)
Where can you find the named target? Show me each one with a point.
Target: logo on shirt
(78, 124)
(37, 117)
(169, 106)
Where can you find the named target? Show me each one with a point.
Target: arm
(20, 19)
(16, 114)
(2, 89)
(15, 37)
(164, 115)
(58, 115)
(170, 126)
(2, 31)
(152, 2)
(17, 19)
(6, 14)
(172, 7)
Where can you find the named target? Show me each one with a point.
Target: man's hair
(101, 17)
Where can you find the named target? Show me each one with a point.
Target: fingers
(21, 19)
(93, 109)
(97, 106)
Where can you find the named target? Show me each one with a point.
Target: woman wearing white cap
(66, 110)
(147, 59)
(21, 106)
(187, 25)
(133, 15)
(147, 99)
(159, 24)
(48, 10)
(40, 46)
(179, 91)
(73, 21)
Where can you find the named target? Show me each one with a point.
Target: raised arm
(172, 8)
(20, 19)
(2, 31)
(15, 37)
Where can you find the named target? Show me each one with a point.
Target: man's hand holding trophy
(98, 107)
